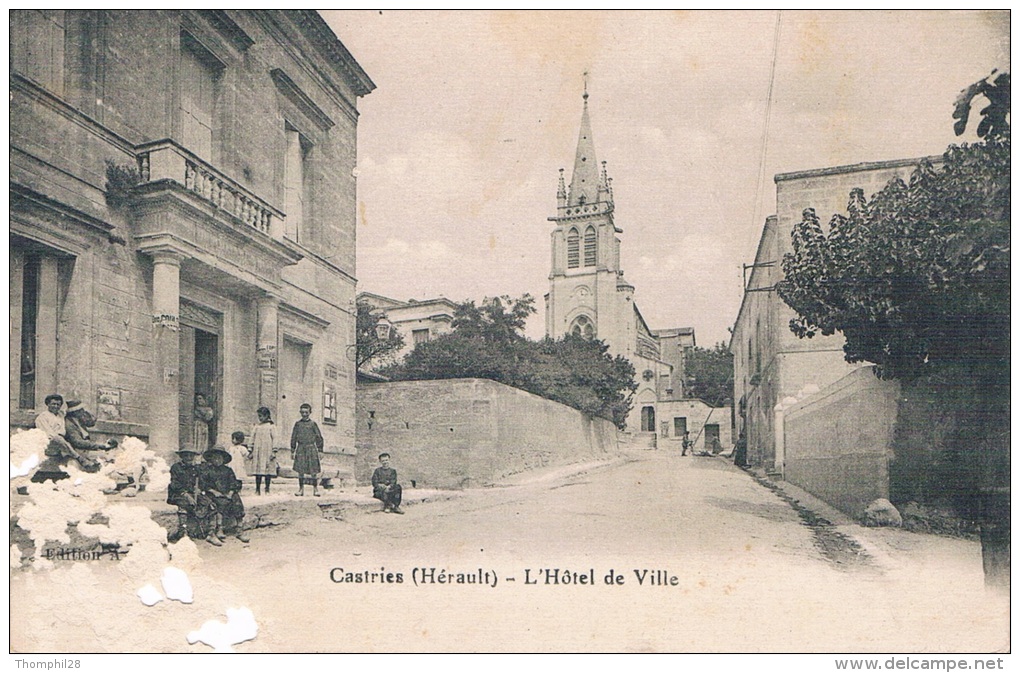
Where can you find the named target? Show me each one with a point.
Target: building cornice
(863, 167)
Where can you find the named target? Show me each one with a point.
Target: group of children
(207, 494)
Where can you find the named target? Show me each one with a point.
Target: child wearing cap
(195, 512)
(218, 482)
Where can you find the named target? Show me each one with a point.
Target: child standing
(263, 450)
(306, 444)
(218, 482)
(241, 455)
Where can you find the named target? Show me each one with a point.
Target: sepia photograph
(490, 331)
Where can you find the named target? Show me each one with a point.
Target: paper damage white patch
(221, 637)
(149, 595)
(176, 585)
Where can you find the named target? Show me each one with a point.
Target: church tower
(587, 293)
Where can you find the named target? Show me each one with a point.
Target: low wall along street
(839, 441)
(461, 433)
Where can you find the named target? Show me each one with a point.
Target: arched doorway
(648, 419)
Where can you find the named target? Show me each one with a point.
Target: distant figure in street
(716, 446)
(262, 462)
(687, 444)
(306, 444)
(385, 486)
(204, 415)
(51, 421)
(240, 453)
(740, 451)
(195, 511)
(217, 481)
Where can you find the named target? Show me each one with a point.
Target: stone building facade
(183, 219)
(588, 295)
(772, 365)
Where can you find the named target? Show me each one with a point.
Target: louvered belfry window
(573, 249)
(590, 246)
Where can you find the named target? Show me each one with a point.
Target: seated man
(51, 421)
(385, 486)
(72, 445)
(218, 481)
(196, 513)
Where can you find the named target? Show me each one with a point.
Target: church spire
(584, 183)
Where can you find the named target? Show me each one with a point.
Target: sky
(474, 113)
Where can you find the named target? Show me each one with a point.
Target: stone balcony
(165, 160)
(227, 237)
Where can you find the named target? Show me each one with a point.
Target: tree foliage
(708, 374)
(371, 349)
(487, 342)
(917, 277)
(917, 280)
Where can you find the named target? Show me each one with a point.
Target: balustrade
(167, 161)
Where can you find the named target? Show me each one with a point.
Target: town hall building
(589, 297)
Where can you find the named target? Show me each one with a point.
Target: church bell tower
(587, 294)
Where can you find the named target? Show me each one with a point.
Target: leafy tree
(581, 373)
(498, 319)
(709, 374)
(917, 280)
(488, 342)
(370, 347)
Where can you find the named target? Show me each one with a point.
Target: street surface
(727, 566)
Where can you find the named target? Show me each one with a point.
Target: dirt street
(650, 552)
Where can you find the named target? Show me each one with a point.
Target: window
(37, 46)
(29, 316)
(573, 255)
(294, 181)
(590, 246)
(200, 74)
(583, 327)
(39, 283)
(679, 426)
(419, 336)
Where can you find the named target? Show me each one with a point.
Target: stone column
(164, 431)
(266, 344)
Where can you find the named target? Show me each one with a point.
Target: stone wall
(838, 442)
(460, 433)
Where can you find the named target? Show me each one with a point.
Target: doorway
(647, 419)
(199, 375)
(294, 384)
(711, 435)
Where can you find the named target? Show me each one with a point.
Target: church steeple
(584, 183)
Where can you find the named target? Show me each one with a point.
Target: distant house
(416, 320)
